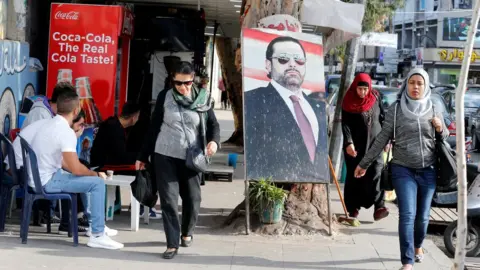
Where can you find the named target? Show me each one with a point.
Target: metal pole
(247, 207)
(329, 210)
(213, 56)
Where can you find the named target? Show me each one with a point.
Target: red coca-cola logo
(72, 15)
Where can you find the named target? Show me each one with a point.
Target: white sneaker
(109, 232)
(103, 241)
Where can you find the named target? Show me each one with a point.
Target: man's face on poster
(288, 65)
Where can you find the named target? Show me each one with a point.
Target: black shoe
(83, 221)
(63, 230)
(187, 243)
(168, 255)
(53, 221)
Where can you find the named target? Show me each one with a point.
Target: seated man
(28, 133)
(45, 109)
(110, 144)
(55, 145)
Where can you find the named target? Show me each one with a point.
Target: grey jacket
(414, 140)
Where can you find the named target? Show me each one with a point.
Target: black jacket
(274, 146)
(212, 128)
(110, 145)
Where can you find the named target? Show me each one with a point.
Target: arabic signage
(379, 39)
(449, 55)
(281, 23)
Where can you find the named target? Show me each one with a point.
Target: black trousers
(174, 179)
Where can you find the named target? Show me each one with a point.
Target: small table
(124, 181)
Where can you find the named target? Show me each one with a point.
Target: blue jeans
(86, 205)
(414, 189)
(95, 186)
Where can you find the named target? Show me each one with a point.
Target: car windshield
(472, 100)
(389, 95)
(334, 84)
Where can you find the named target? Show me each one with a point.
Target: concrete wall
(17, 20)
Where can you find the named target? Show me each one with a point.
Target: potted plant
(267, 200)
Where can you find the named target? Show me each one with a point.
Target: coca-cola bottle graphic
(92, 115)
(64, 75)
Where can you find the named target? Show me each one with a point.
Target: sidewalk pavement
(370, 246)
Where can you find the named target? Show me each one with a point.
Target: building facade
(431, 34)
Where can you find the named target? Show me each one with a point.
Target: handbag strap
(394, 132)
(180, 110)
(395, 123)
(202, 126)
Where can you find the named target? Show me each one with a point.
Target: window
(421, 5)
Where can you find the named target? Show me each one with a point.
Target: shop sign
(456, 55)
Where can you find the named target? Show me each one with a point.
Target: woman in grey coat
(416, 127)
(183, 116)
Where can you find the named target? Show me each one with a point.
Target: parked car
(332, 83)
(472, 103)
(441, 88)
(387, 94)
(473, 87)
(475, 129)
(449, 119)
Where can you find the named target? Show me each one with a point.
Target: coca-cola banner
(83, 51)
(89, 48)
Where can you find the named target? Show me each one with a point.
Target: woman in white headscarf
(417, 125)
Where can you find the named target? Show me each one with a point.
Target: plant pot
(271, 214)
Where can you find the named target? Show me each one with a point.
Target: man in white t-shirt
(56, 146)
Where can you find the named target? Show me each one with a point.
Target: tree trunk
(306, 208)
(233, 85)
(459, 262)
(348, 73)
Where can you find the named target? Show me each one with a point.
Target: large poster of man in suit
(285, 120)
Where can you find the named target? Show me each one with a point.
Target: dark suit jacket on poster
(273, 142)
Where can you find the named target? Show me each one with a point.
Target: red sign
(83, 50)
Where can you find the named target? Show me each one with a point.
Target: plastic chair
(32, 194)
(6, 189)
(14, 133)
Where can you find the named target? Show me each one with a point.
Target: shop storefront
(444, 64)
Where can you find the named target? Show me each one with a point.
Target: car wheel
(8, 112)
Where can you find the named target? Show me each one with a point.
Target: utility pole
(348, 74)
(459, 262)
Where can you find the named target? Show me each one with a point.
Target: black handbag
(196, 159)
(386, 182)
(143, 189)
(446, 165)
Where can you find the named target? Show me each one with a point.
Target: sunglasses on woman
(180, 83)
(284, 58)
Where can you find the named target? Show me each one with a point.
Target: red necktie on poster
(305, 127)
